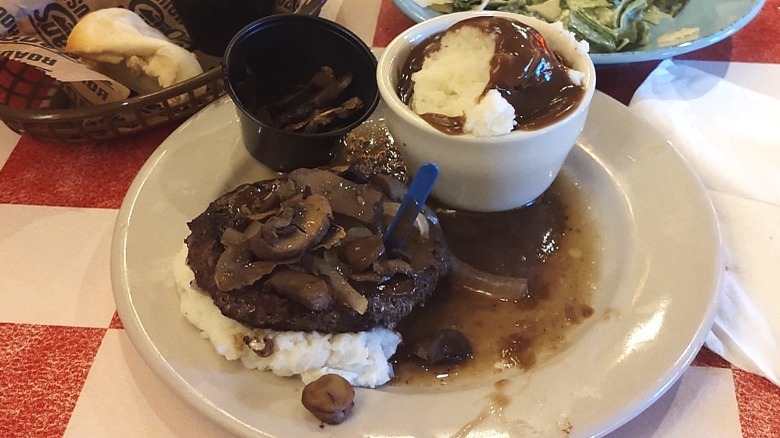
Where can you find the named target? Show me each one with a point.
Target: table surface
(67, 367)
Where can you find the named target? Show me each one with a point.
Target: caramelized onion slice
(232, 237)
(498, 286)
(341, 289)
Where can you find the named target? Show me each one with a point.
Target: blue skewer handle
(413, 202)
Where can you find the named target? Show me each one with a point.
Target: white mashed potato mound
(575, 48)
(361, 358)
(452, 81)
(492, 115)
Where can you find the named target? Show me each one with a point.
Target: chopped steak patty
(304, 252)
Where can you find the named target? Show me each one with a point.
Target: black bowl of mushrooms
(299, 83)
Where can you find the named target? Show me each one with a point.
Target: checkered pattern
(67, 367)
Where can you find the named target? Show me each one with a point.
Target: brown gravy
(554, 244)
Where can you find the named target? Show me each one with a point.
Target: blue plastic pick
(413, 202)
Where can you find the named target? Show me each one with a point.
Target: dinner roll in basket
(120, 44)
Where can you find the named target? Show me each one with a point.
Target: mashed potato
(453, 78)
(361, 358)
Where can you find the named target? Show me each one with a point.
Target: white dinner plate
(654, 302)
(714, 20)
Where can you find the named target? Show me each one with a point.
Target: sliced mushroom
(322, 98)
(357, 201)
(356, 233)
(235, 268)
(252, 228)
(442, 346)
(310, 221)
(320, 120)
(360, 253)
(252, 200)
(333, 237)
(321, 79)
(392, 267)
(278, 224)
(393, 188)
(330, 93)
(305, 289)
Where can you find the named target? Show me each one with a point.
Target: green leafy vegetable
(608, 25)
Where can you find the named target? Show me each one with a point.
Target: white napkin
(730, 135)
(359, 16)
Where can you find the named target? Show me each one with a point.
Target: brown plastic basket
(36, 105)
(33, 104)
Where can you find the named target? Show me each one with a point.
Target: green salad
(608, 25)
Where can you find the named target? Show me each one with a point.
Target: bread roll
(118, 43)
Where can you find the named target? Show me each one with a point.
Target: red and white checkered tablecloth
(67, 368)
